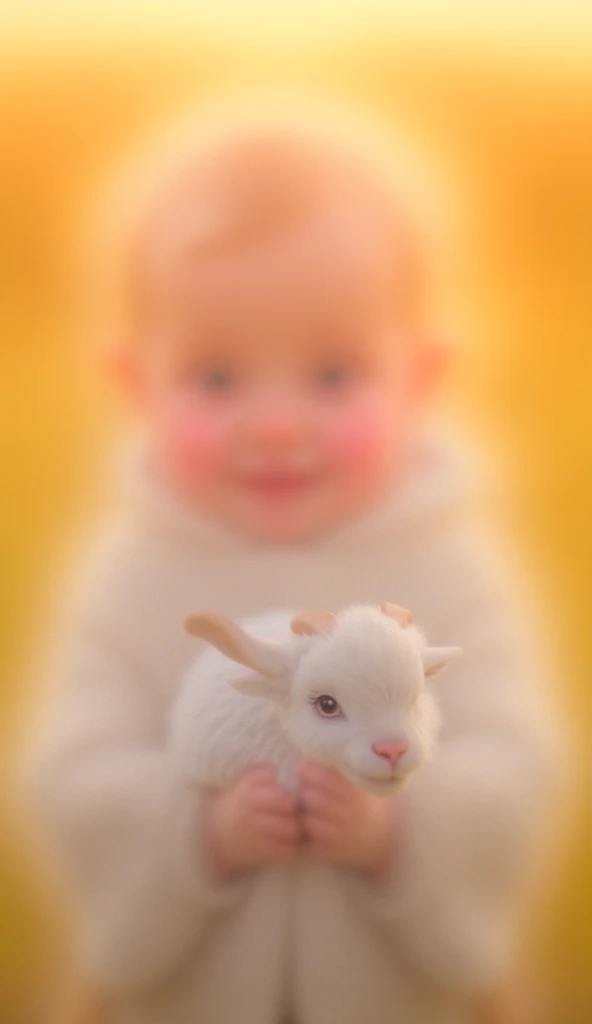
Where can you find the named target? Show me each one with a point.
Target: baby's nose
(391, 750)
(273, 425)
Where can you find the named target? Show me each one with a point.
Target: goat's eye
(328, 707)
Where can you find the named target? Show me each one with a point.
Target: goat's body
(218, 732)
(221, 724)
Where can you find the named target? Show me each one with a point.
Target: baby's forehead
(255, 180)
(213, 236)
(255, 190)
(334, 259)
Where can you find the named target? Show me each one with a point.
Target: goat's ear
(436, 658)
(233, 641)
(316, 622)
(394, 611)
(272, 687)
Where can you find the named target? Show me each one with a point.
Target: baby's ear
(436, 658)
(271, 687)
(122, 367)
(432, 361)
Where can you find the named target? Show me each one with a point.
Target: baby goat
(348, 691)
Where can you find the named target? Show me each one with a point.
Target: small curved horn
(394, 611)
(316, 622)
(233, 641)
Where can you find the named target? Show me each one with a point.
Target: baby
(276, 346)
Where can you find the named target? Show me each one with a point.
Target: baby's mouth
(284, 483)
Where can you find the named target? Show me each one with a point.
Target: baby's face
(280, 380)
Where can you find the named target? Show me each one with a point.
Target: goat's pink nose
(391, 750)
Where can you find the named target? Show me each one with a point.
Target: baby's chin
(265, 518)
(295, 519)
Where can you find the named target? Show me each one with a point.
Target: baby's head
(275, 331)
(352, 690)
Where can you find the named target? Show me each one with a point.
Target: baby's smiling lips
(280, 483)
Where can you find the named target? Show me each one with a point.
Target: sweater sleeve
(469, 825)
(122, 826)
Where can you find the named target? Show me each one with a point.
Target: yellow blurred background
(500, 96)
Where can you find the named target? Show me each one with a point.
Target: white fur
(372, 666)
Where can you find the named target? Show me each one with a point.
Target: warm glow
(531, 26)
(500, 96)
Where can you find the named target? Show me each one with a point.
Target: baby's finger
(278, 829)
(321, 834)
(274, 852)
(322, 804)
(261, 775)
(326, 779)
(274, 800)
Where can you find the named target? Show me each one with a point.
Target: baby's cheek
(194, 442)
(359, 440)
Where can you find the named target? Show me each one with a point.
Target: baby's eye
(333, 376)
(218, 380)
(328, 707)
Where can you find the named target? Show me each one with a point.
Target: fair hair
(238, 172)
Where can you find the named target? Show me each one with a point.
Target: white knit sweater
(324, 946)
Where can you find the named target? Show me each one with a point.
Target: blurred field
(509, 119)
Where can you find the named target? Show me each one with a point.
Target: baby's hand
(253, 824)
(343, 823)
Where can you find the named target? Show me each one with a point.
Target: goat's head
(352, 690)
